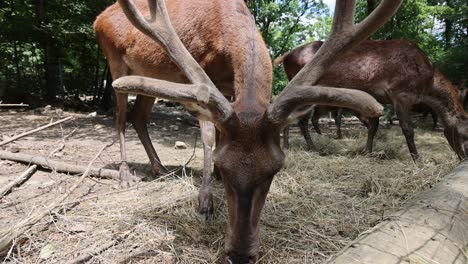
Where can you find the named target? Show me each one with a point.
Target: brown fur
(395, 72)
(231, 50)
(221, 35)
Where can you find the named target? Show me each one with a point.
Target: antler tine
(152, 7)
(344, 35)
(159, 28)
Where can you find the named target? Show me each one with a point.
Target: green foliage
(285, 24)
(48, 48)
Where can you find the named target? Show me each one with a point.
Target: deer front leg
(315, 120)
(205, 197)
(120, 121)
(434, 120)
(372, 128)
(338, 114)
(139, 117)
(304, 126)
(406, 125)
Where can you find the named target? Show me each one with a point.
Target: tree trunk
(448, 33)
(51, 69)
(102, 83)
(370, 6)
(96, 75)
(106, 101)
(50, 63)
(17, 65)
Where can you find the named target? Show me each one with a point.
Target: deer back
(210, 32)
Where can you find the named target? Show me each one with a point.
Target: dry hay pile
(317, 204)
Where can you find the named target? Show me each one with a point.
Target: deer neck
(445, 102)
(251, 63)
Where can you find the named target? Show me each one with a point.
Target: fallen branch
(58, 165)
(87, 255)
(433, 229)
(34, 131)
(62, 145)
(14, 105)
(8, 236)
(18, 181)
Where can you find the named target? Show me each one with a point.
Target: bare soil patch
(317, 204)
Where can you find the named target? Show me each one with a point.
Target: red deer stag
(395, 72)
(222, 36)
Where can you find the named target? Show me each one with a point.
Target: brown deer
(395, 72)
(223, 38)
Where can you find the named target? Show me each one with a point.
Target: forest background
(49, 53)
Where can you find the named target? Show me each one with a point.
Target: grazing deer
(395, 72)
(222, 36)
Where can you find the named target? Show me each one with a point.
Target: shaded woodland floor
(317, 204)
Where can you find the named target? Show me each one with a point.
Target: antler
(344, 35)
(159, 28)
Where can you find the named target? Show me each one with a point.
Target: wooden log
(18, 181)
(14, 105)
(432, 229)
(58, 165)
(34, 131)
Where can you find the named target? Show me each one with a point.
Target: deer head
(248, 154)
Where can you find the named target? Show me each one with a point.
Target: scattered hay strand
(315, 207)
(433, 228)
(85, 256)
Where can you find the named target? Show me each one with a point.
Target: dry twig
(14, 105)
(8, 236)
(18, 181)
(34, 131)
(62, 145)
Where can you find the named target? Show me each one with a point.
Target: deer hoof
(126, 177)
(205, 206)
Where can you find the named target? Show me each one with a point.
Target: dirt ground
(317, 204)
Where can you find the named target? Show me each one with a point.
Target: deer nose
(238, 259)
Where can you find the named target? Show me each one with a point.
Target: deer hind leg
(216, 173)
(205, 197)
(304, 127)
(404, 116)
(372, 127)
(338, 114)
(139, 117)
